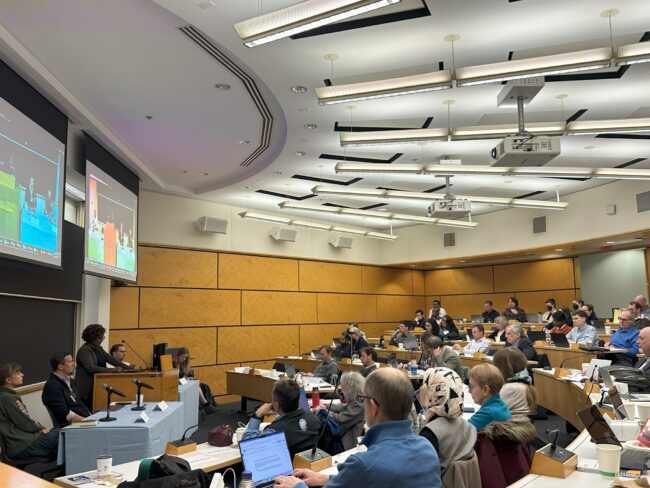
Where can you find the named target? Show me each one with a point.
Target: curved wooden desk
(560, 396)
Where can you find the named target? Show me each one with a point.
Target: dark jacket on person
(366, 371)
(490, 316)
(520, 316)
(61, 399)
(300, 428)
(525, 346)
(350, 417)
(495, 332)
(17, 428)
(91, 360)
(448, 358)
(450, 333)
(360, 344)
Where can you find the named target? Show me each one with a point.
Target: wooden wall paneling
(246, 344)
(188, 308)
(330, 277)
(244, 272)
(552, 274)
(124, 307)
(392, 308)
(377, 329)
(201, 342)
(340, 308)
(215, 376)
(535, 301)
(176, 268)
(386, 281)
(277, 307)
(577, 273)
(418, 282)
(459, 281)
(464, 306)
(315, 335)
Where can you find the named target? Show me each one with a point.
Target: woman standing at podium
(91, 359)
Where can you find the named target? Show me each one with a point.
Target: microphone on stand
(109, 391)
(139, 384)
(136, 353)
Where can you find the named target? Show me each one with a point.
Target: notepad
(83, 423)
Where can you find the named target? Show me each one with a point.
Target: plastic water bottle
(414, 367)
(315, 397)
(246, 480)
(548, 336)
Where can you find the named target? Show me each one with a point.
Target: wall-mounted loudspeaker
(283, 234)
(211, 224)
(341, 242)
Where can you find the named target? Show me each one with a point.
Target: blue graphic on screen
(31, 188)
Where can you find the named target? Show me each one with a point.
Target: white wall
(612, 279)
(36, 408)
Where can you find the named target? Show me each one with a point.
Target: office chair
(45, 468)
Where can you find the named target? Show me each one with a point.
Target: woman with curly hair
(91, 359)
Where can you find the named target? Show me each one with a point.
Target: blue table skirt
(188, 394)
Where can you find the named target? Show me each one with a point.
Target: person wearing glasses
(625, 337)
(395, 456)
(485, 383)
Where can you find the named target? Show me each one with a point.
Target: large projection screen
(111, 227)
(32, 165)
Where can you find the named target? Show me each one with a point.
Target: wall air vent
(449, 239)
(642, 202)
(539, 225)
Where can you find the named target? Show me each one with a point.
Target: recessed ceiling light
(244, 141)
(559, 249)
(300, 153)
(222, 86)
(298, 89)
(203, 174)
(610, 242)
(148, 117)
(310, 126)
(246, 187)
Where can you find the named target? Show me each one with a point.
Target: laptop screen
(266, 457)
(597, 426)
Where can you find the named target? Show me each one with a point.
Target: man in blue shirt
(582, 333)
(625, 338)
(395, 456)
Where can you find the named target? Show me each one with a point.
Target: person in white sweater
(518, 393)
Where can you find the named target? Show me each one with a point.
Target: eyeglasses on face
(362, 398)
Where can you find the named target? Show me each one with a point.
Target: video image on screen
(31, 188)
(111, 226)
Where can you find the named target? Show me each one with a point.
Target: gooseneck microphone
(139, 384)
(136, 353)
(322, 428)
(110, 390)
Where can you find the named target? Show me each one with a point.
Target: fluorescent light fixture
(633, 53)
(578, 127)
(302, 17)
(379, 235)
(498, 131)
(310, 225)
(461, 224)
(622, 173)
(405, 85)
(406, 136)
(525, 68)
(385, 168)
(538, 204)
(349, 230)
(264, 217)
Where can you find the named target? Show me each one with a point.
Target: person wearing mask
(436, 312)
(625, 337)
(442, 356)
(118, 351)
(517, 393)
(60, 393)
(485, 383)
(550, 310)
(448, 330)
(514, 311)
(588, 308)
(582, 333)
(559, 326)
(387, 402)
(358, 340)
(478, 343)
(24, 438)
(301, 428)
(441, 397)
(498, 333)
(489, 314)
(368, 357)
(348, 414)
(91, 359)
(576, 304)
(328, 367)
(431, 327)
(405, 337)
(419, 318)
(516, 338)
(182, 363)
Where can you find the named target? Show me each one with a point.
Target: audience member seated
(644, 346)
(425, 356)
(368, 357)
(516, 338)
(349, 412)
(358, 340)
(91, 359)
(448, 330)
(182, 362)
(576, 304)
(645, 308)
(118, 351)
(404, 336)
(626, 337)
(489, 314)
(419, 318)
(582, 333)
(60, 393)
(328, 368)
(498, 333)
(485, 383)
(559, 325)
(550, 310)
(24, 438)
(478, 342)
(395, 456)
(514, 311)
(568, 313)
(431, 327)
(442, 356)
(517, 393)
(344, 346)
(301, 428)
(641, 320)
(588, 308)
(436, 312)
(441, 397)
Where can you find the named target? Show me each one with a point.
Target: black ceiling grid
(348, 128)
(325, 180)
(369, 207)
(285, 195)
(355, 159)
(528, 195)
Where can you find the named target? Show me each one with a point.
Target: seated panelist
(61, 394)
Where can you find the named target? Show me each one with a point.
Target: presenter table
(188, 395)
(125, 439)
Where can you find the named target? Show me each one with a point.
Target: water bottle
(414, 367)
(548, 336)
(246, 480)
(315, 397)
(421, 421)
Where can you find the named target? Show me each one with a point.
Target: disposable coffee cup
(104, 465)
(400, 346)
(630, 409)
(609, 460)
(240, 433)
(608, 329)
(644, 411)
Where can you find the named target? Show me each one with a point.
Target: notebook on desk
(266, 457)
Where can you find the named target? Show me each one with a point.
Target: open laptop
(537, 335)
(601, 433)
(559, 340)
(266, 457)
(477, 319)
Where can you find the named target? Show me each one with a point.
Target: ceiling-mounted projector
(449, 209)
(525, 150)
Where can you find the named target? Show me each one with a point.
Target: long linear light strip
(633, 53)
(302, 17)
(406, 195)
(379, 215)
(276, 219)
(443, 169)
(375, 138)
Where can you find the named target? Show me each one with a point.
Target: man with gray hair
(645, 309)
(515, 337)
(395, 456)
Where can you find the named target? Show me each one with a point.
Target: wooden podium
(165, 385)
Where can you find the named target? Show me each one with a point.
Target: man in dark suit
(515, 337)
(644, 346)
(60, 394)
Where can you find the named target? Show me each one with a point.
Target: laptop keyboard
(634, 459)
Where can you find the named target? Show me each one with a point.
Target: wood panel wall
(234, 309)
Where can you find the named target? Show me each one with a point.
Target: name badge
(162, 406)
